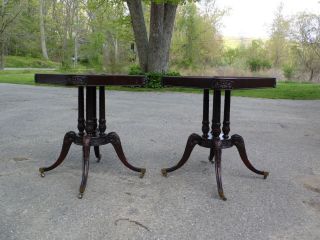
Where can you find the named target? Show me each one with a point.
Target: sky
(253, 18)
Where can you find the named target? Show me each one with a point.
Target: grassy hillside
(23, 62)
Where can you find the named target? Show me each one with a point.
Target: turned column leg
(216, 112)
(81, 121)
(91, 115)
(205, 120)
(217, 144)
(94, 105)
(226, 114)
(90, 127)
(102, 114)
(91, 121)
(102, 120)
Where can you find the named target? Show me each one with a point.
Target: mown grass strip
(284, 90)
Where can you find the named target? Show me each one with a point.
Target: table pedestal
(213, 140)
(90, 134)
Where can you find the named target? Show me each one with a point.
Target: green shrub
(265, 64)
(154, 80)
(288, 71)
(135, 70)
(256, 64)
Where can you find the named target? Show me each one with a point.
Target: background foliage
(96, 35)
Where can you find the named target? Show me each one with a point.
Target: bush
(256, 64)
(154, 80)
(288, 71)
(135, 70)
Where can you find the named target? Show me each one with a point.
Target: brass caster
(265, 175)
(80, 195)
(164, 172)
(142, 172)
(42, 174)
(99, 158)
(221, 194)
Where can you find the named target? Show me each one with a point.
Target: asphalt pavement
(281, 136)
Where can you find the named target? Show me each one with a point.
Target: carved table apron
(90, 133)
(214, 140)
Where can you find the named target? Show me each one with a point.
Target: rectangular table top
(220, 82)
(215, 82)
(90, 79)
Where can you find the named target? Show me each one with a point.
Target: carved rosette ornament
(222, 84)
(79, 80)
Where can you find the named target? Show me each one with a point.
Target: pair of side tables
(92, 130)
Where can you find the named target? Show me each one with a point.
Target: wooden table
(90, 133)
(214, 140)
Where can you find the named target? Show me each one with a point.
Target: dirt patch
(311, 183)
(313, 204)
(19, 159)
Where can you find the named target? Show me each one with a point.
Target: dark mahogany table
(90, 133)
(214, 140)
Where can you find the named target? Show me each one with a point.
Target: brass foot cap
(142, 172)
(265, 175)
(80, 196)
(41, 170)
(164, 172)
(221, 194)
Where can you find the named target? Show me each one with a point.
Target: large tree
(153, 51)
(196, 38)
(278, 43)
(305, 34)
(42, 30)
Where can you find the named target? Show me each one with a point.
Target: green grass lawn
(284, 90)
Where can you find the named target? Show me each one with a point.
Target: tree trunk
(169, 17)
(76, 37)
(42, 32)
(116, 51)
(156, 53)
(311, 75)
(153, 54)
(1, 51)
(75, 59)
(140, 31)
